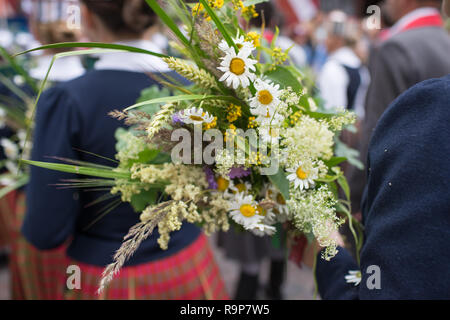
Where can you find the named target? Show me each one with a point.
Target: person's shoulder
(418, 35)
(423, 107)
(434, 93)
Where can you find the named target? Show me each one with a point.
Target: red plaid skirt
(191, 274)
(6, 216)
(34, 274)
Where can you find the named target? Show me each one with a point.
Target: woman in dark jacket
(73, 116)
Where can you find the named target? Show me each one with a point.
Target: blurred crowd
(355, 55)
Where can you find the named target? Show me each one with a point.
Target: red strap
(427, 21)
(268, 35)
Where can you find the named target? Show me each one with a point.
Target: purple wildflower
(210, 177)
(239, 172)
(176, 118)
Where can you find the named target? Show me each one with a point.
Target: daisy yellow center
(247, 210)
(302, 175)
(241, 187)
(196, 118)
(237, 66)
(280, 199)
(260, 210)
(222, 184)
(265, 97)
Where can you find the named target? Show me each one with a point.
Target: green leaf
(342, 181)
(281, 75)
(334, 161)
(161, 158)
(280, 181)
(147, 155)
(143, 199)
(87, 171)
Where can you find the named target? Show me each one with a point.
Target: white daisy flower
(353, 277)
(244, 211)
(227, 187)
(267, 95)
(237, 69)
(243, 46)
(269, 134)
(303, 175)
(268, 214)
(196, 116)
(262, 230)
(11, 149)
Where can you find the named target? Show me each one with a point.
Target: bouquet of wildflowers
(243, 144)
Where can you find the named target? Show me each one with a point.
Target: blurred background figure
(272, 17)
(38, 274)
(72, 120)
(343, 80)
(414, 49)
(50, 22)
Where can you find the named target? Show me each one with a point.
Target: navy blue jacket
(406, 207)
(74, 115)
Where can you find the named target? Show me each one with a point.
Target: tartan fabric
(35, 274)
(191, 274)
(6, 216)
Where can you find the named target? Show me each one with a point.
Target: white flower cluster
(314, 212)
(309, 138)
(224, 162)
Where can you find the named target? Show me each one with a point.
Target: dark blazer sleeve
(407, 215)
(52, 212)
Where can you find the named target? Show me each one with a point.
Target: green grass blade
(15, 89)
(16, 185)
(87, 171)
(185, 97)
(32, 83)
(93, 45)
(82, 163)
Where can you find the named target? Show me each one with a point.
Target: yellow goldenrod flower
(254, 37)
(234, 112)
(211, 125)
(252, 123)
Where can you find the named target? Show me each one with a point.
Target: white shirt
(63, 69)
(137, 62)
(333, 80)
